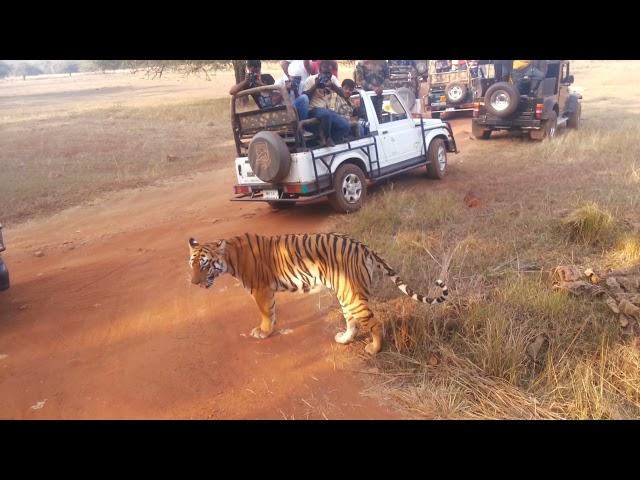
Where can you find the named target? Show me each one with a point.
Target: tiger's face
(207, 262)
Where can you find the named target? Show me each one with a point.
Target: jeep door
(398, 135)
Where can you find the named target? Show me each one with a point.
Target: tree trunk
(239, 68)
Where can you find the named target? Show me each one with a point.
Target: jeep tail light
(241, 189)
(476, 109)
(539, 108)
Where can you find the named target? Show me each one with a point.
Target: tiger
(302, 263)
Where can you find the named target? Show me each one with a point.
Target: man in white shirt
(297, 72)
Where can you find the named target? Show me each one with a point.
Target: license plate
(270, 194)
(450, 109)
(437, 104)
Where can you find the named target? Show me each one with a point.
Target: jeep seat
(281, 119)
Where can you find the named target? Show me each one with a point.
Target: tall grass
(590, 224)
(507, 345)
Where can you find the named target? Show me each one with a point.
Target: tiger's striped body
(266, 265)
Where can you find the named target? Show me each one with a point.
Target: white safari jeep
(279, 160)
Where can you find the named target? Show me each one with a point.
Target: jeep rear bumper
(451, 108)
(258, 197)
(496, 123)
(286, 193)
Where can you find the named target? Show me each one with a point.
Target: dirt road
(106, 325)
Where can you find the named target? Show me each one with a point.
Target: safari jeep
(539, 106)
(4, 273)
(450, 91)
(280, 162)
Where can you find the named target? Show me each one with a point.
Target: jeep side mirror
(569, 79)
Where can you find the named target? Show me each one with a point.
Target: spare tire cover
(456, 92)
(269, 157)
(501, 99)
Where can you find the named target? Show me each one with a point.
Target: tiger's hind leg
(359, 315)
(368, 322)
(266, 301)
(376, 337)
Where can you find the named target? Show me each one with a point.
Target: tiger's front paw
(344, 337)
(259, 334)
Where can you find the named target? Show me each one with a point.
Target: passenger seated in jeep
(346, 107)
(443, 66)
(318, 90)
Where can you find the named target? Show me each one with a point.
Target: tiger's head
(207, 262)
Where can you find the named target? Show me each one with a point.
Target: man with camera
(318, 90)
(297, 72)
(253, 78)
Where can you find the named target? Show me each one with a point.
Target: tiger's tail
(404, 288)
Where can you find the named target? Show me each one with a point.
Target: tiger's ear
(221, 244)
(193, 243)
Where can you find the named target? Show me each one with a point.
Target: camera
(324, 80)
(252, 79)
(295, 85)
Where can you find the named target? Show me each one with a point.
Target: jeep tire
(502, 99)
(574, 118)
(269, 157)
(548, 130)
(479, 132)
(456, 92)
(350, 185)
(437, 156)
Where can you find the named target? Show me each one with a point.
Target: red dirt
(109, 326)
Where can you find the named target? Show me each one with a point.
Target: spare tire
(502, 99)
(456, 92)
(269, 157)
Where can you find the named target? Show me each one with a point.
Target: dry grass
(62, 160)
(507, 345)
(590, 224)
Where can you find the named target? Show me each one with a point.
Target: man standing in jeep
(297, 72)
(526, 76)
(371, 75)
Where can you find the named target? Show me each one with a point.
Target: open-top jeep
(450, 91)
(539, 101)
(280, 162)
(4, 273)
